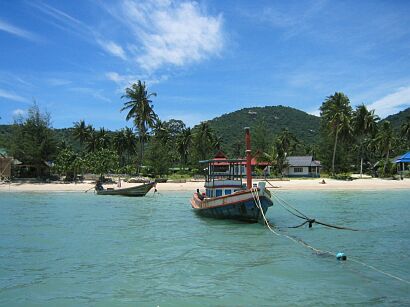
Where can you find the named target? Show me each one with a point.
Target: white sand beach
(296, 184)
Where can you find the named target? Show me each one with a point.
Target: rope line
(284, 204)
(257, 201)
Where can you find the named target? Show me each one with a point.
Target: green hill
(274, 118)
(398, 119)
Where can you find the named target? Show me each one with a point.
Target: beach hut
(302, 166)
(403, 162)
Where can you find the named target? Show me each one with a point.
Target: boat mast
(248, 159)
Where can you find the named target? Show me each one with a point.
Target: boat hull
(137, 191)
(241, 207)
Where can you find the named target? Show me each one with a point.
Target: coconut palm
(287, 141)
(81, 131)
(140, 110)
(92, 143)
(103, 138)
(217, 142)
(204, 138)
(161, 131)
(276, 157)
(364, 125)
(337, 113)
(184, 141)
(384, 140)
(119, 142)
(405, 130)
(130, 142)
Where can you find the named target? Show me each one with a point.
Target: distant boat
(140, 190)
(225, 196)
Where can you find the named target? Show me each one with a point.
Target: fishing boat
(140, 190)
(226, 196)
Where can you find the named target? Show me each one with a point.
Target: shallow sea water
(72, 249)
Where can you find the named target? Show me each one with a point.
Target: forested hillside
(398, 119)
(271, 119)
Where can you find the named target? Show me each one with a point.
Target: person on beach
(323, 182)
(99, 186)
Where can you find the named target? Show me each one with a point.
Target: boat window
(218, 192)
(228, 191)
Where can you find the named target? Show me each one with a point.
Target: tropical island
(344, 140)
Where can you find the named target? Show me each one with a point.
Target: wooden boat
(225, 196)
(140, 190)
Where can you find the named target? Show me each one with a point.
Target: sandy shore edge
(306, 184)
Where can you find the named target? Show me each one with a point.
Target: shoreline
(191, 186)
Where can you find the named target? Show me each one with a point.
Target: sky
(203, 59)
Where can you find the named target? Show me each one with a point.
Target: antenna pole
(248, 159)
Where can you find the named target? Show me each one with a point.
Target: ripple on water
(77, 249)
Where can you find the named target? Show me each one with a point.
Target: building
(302, 166)
(403, 162)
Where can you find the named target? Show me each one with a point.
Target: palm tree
(204, 138)
(119, 143)
(81, 131)
(92, 141)
(405, 130)
(140, 110)
(217, 142)
(130, 142)
(337, 112)
(364, 124)
(103, 138)
(184, 141)
(162, 132)
(276, 157)
(384, 140)
(287, 141)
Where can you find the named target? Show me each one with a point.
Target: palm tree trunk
(361, 167)
(387, 159)
(334, 152)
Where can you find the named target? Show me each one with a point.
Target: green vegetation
(266, 124)
(398, 119)
(33, 141)
(344, 139)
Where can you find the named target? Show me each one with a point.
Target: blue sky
(203, 59)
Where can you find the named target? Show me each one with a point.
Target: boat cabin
(223, 176)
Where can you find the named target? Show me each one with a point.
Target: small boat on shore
(136, 191)
(225, 196)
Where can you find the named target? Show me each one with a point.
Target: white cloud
(19, 112)
(392, 103)
(58, 82)
(11, 96)
(170, 33)
(112, 48)
(72, 25)
(315, 112)
(125, 80)
(95, 93)
(9, 28)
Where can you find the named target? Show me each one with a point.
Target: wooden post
(248, 158)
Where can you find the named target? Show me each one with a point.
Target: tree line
(350, 140)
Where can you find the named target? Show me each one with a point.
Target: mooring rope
(284, 204)
(257, 201)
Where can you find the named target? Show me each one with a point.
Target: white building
(302, 166)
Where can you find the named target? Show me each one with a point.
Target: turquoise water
(71, 249)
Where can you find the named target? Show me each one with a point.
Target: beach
(293, 184)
